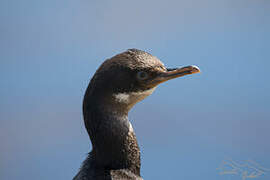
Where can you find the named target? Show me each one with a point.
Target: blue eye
(142, 75)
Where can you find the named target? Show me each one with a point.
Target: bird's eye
(142, 75)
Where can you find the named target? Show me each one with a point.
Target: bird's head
(129, 77)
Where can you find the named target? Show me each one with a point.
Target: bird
(118, 84)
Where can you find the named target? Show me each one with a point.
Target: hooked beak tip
(195, 69)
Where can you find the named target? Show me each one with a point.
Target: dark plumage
(118, 84)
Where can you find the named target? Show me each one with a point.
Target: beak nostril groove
(171, 69)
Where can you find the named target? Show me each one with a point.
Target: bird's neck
(113, 140)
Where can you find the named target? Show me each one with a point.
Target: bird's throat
(113, 140)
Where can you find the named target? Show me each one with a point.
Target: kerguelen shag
(118, 84)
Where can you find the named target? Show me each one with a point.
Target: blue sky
(50, 49)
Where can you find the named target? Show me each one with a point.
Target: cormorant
(118, 84)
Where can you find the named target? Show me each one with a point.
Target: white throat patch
(133, 97)
(122, 97)
(130, 129)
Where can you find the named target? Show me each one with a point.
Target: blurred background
(187, 129)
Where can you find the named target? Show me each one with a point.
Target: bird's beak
(174, 73)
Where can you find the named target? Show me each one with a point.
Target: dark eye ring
(142, 75)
